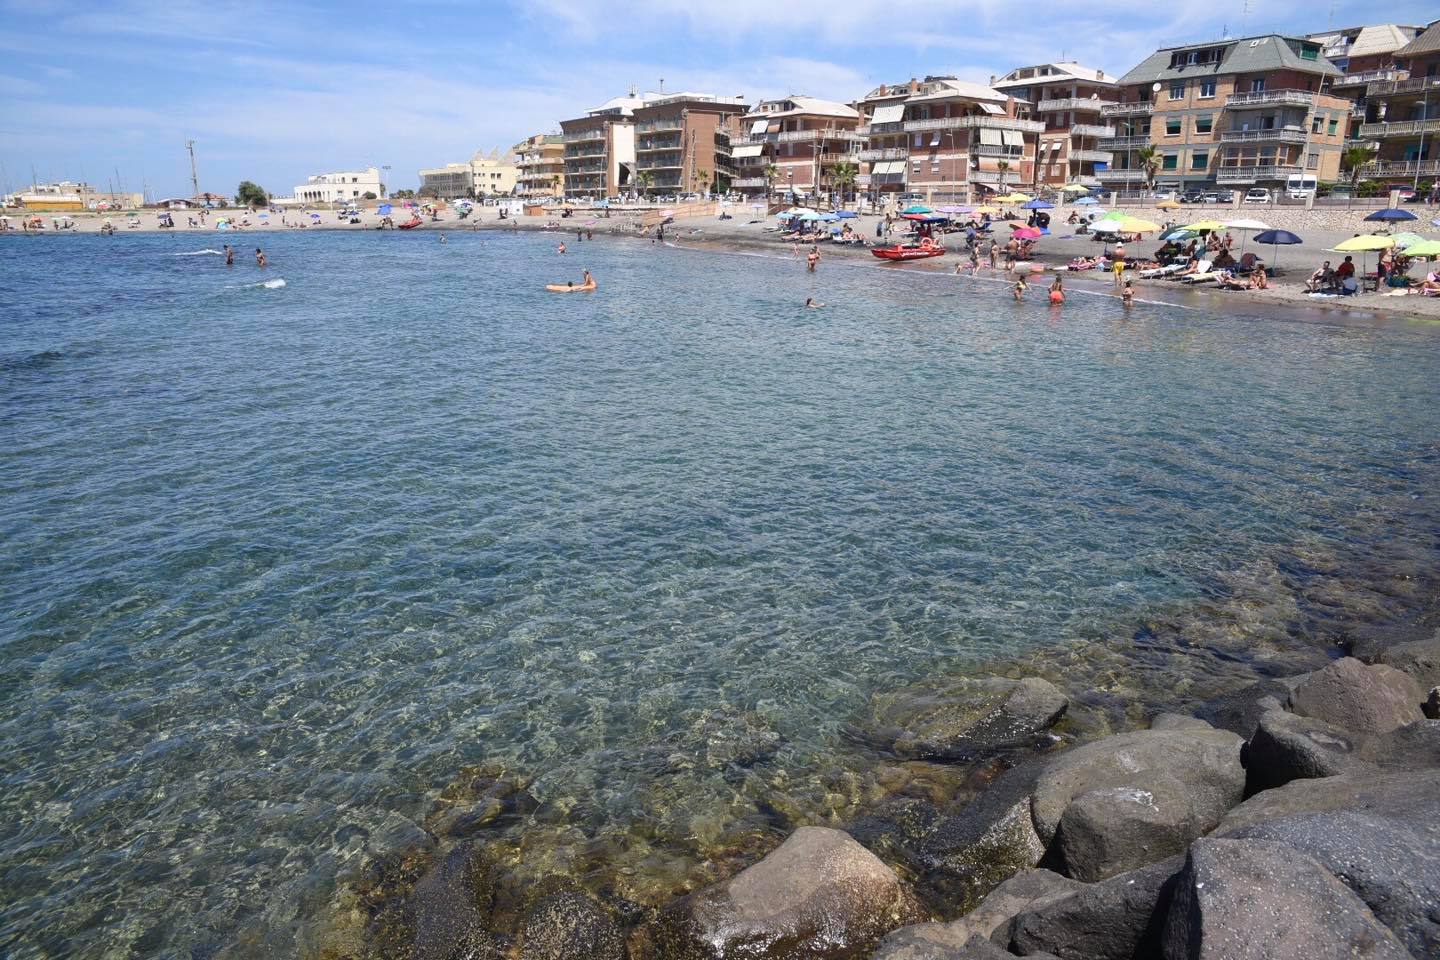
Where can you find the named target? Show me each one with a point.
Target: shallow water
(281, 559)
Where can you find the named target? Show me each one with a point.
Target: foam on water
(268, 586)
(200, 253)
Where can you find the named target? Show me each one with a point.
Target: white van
(1300, 186)
(1257, 195)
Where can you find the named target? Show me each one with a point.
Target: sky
(108, 92)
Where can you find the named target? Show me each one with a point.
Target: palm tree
(842, 175)
(1149, 159)
(1004, 167)
(702, 176)
(1353, 161)
(643, 180)
(771, 172)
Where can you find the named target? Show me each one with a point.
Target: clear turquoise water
(279, 561)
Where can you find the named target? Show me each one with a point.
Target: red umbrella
(916, 216)
(1027, 233)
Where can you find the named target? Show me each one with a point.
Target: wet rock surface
(450, 906)
(1240, 711)
(1359, 698)
(1025, 890)
(1418, 659)
(563, 922)
(819, 895)
(972, 718)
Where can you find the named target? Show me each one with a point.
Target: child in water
(1057, 292)
(1127, 295)
(1020, 287)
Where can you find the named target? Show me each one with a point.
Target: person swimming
(561, 248)
(260, 260)
(229, 256)
(813, 304)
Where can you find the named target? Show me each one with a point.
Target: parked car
(1220, 196)
(1409, 195)
(1257, 195)
(1192, 196)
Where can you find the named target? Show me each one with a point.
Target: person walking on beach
(1118, 266)
(813, 257)
(260, 260)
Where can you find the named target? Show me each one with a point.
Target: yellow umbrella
(1134, 225)
(1015, 198)
(1074, 188)
(990, 210)
(1199, 225)
(1167, 205)
(1368, 241)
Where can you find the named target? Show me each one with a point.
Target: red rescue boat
(909, 251)
(410, 224)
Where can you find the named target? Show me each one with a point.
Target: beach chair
(1201, 267)
(1195, 279)
(1160, 273)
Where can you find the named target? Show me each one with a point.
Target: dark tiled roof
(1249, 55)
(1427, 42)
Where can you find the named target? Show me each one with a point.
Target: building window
(1171, 162)
(1257, 85)
(1312, 162)
(1177, 90)
(1333, 128)
(1172, 127)
(1315, 124)
(1308, 52)
(1200, 160)
(1207, 89)
(1204, 124)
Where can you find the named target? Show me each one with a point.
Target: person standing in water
(561, 248)
(813, 257)
(588, 280)
(229, 256)
(260, 260)
(1127, 295)
(1057, 292)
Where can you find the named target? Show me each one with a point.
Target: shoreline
(738, 235)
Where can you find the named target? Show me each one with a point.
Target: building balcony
(1120, 176)
(992, 176)
(1086, 180)
(656, 126)
(749, 183)
(1128, 110)
(801, 136)
(1077, 104)
(1392, 88)
(590, 152)
(877, 129)
(1403, 128)
(582, 169)
(1091, 130)
(1367, 77)
(1397, 169)
(1277, 135)
(1269, 98)
(1124, 143)
(1254, 174)
(584, 136)
(889, 153)
(982, 122)
(830, 157)
(659, 164)
(996, 150)
(654, 147)
(1092, 156)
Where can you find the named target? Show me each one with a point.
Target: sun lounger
(1195, 279)
(1202, 267)
(1161, 272)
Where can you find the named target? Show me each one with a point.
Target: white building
(340, 187)
(486, 175)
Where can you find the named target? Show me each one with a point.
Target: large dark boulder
(1360, 698)
(1378, 832)
(1255, 898)
(903, 945)
(1431, 708)
(972, 718)
(451, 904)
(1117, 829)
(1418, 659)
(563, 922)
(1025, 890)
(1116, 919)
(967, 854)
(1287, 746)
(819, 895)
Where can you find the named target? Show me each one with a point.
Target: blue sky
(273, 92)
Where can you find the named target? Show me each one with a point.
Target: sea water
(285, 550)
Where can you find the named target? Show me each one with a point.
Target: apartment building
(1067, 98)
(947, 139)
(540, 166)
(483, 175)
(1404, 121)
(1233, 113)
(600, 148)
(803, 138)
(682, 142)
(340, 187)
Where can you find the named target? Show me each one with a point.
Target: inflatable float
(570, 288)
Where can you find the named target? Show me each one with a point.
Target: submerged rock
(563, 922)
(819, 895)
(450, 906)
(1360, 698)
(973, 718)
(1255, 898)
(1025, 890)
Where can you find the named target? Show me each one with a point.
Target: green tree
(643, 180)
(702, 177)
(1353, 161)
(842, 176)
(771, 172)
(403, 195)
(1004, 167)
(369, 195)
(1149, 159)
(251, 195)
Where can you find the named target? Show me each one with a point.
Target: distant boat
(909, 251)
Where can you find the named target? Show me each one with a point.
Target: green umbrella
(1425, 248)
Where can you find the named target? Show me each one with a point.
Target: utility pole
(194, 176)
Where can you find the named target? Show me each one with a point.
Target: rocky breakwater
(1303, 822)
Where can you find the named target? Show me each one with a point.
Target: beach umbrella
(1014, 198)
(1405, 240)
(385, 210)
(1086, 201)
(1027, 233)
(828, 217)
(1135, 225)
(1429, 249)
(1074, 188)
(1391, 215)
(1364, 243)
(1246, 227)
(1205, 226)
(990, 210)
(1278, 238)
(1167, 205)
(1037, 205)
(845, 214)
(917, 208)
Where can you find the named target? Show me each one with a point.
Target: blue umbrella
(1086, 202)
(845, 214)
(385, 210)
(1278, 238)
(1392, 215)
(1037, 205)
(828, 217)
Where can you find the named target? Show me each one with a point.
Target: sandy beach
(1321, 229)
